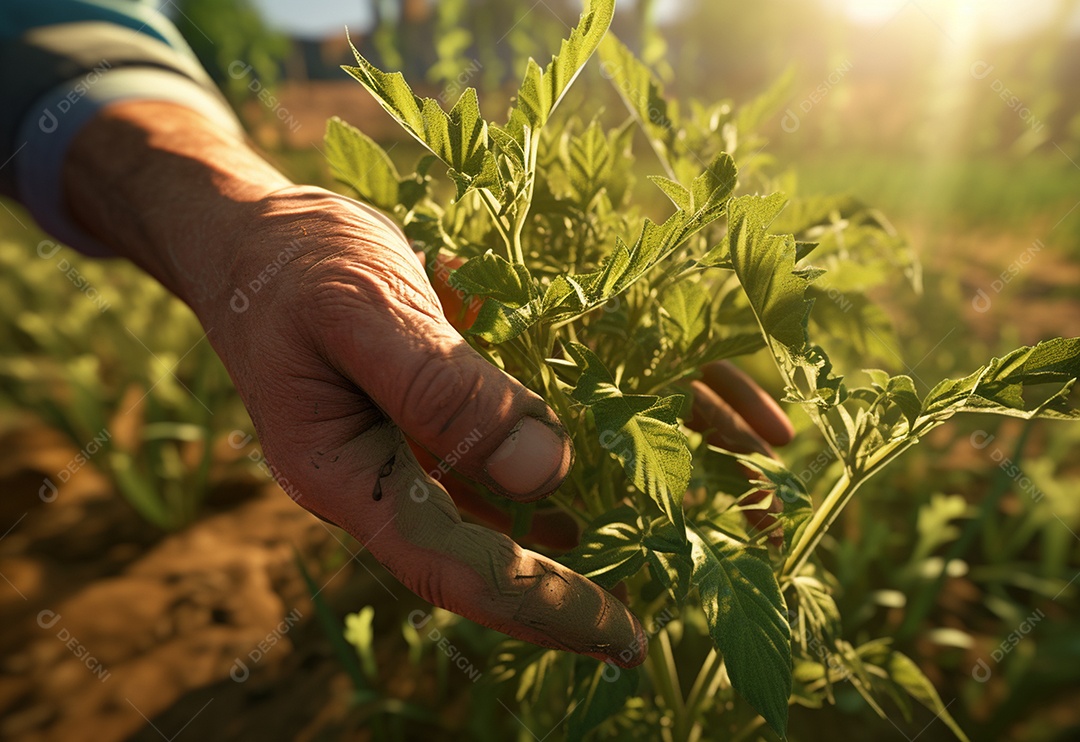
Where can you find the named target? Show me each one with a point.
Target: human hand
(738, 415)
(346, 342)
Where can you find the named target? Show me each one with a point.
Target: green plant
(608, 327)
(233, 44)
(107, 357)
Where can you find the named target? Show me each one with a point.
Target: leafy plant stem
(841, 493)
(493, 210)
(566, 504)
(827, 433)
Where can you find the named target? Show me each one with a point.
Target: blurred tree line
(899, 82)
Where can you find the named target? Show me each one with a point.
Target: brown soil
(113, 630)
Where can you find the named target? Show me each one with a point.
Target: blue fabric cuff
(53, 122)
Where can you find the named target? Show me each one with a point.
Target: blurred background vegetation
(959, 120)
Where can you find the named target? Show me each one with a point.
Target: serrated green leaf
(663, 537)
(611, 273)
(610, 548)
(641, 431)
(667, 552)
(596, 382)
(600, 691)
(493, 276)
(466, 135)
(498, 323)
(652, 450)
(642, 93)
(746, 616)
(588, 161)
(901, 392)
(685, 305)
(765, 265)
(901, 670)
(508, 146)
(541, 90)
(559, 291)
(712, 188)
(999, 386)
(458, 138)
(784, 484)
(855, 320)
(905, 673)
(626, 265)
(677, 192)
(358, 162)
(718, 256)
(878, 377)
(802, 249)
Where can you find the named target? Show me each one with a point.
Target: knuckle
(439, 393)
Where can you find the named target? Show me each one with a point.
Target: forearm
(166, 188)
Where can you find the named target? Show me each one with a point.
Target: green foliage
(608, 314)
(107, 357)
(747, 620)
(360, 162)
(233, 44)
(340, 641)
(600, 691)
(640, 430)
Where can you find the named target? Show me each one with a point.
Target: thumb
(444, 395)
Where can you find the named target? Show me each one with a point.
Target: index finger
(413, 528)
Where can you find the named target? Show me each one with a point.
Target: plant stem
(834, 502)
(704, 679)
(665, 679)
(524, 199)
(493, 209)
(826, 513)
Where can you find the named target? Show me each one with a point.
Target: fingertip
(632, 651)
(754, 405)
(635, 654)
(723, 426)
(532, 461)
(781, 432)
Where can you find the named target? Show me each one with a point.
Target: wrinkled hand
(341, 353)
